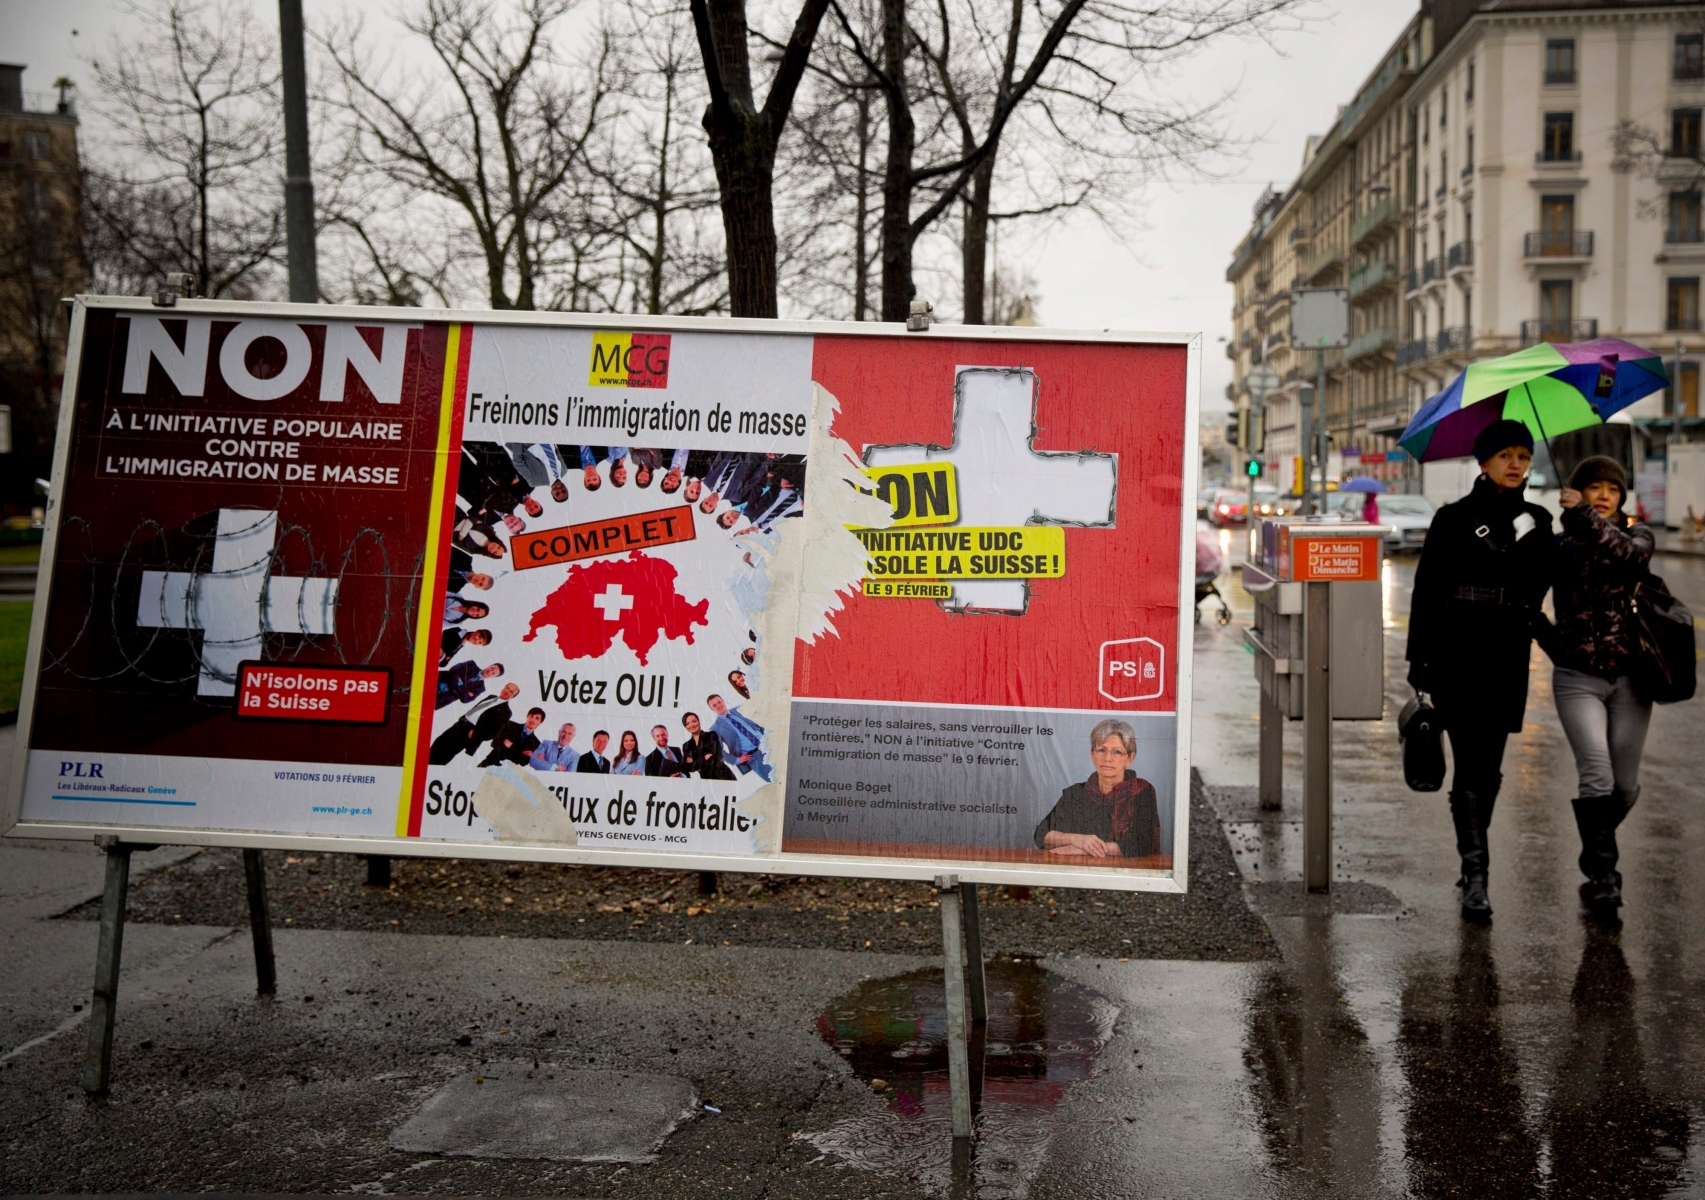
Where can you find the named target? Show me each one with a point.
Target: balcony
(1432, 270)
(1301, 233)
(1323, 262)
(1559, 329)
(1231, 350)
(1371, 342)
(1557, 158)
(1682, 325)
(1412, 352)
(1562, 77)
(1373, 221)
(1277, 338)
(1558, 243)
(1262, 279)
(1375, 275)
(1456, 339)
(1460, 258)
(1412, 281)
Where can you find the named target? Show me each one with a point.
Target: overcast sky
(1170, 276)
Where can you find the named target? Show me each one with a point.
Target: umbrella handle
(1528, 391)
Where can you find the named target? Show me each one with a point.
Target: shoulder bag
(1421, 732)
(1665, 667)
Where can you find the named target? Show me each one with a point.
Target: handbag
(1665, 667)
(1421, 732)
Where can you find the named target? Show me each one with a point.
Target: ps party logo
(634, 360)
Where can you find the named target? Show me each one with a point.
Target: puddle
(1044, 1034)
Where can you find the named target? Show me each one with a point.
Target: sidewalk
(1391, 1051)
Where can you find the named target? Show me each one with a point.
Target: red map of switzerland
(633, 596)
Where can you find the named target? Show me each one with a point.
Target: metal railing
(1552, 156)
(1682, 324)
(1453, 339)
(1558, 243)
(1560, 78)
(1373, 219)
(1461, 255)
(1365, 279)
(1558, 329)
(1412, 351)
(1277, 338)
(1324, 261)
(1371, 342)
(1412, 280)
(1433, 268)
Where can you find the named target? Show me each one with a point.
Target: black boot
(1597, 818)
(1471, 813)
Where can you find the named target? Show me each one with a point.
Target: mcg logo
(634, 360)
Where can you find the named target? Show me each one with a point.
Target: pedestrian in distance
(1602, 553)
(1484, 569)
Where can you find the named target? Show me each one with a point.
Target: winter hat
(1501, 435)
(1599, 469)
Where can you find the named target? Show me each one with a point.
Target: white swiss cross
(613, 601)
(1003, 480)
(236, 601)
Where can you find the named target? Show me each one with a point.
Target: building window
(1684, 303)
(1560, 60)
(1684, 133)
(1444, 107)
(1684, 218)
(1556, 307)
(1468, 166)
(1426, 132)
(1468, 92)
(1559, 145)
(1689, 390)
(1690, 56)
(35, 144)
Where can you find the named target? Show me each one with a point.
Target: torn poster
(782, 597)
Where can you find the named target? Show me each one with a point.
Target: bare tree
(1080, 61)
(657, 178)
(496, 133)
(192, 180)
(744, 138)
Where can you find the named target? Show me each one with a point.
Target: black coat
(1598, 564)
(465, 736)
(1476, 606)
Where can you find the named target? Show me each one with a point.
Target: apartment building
(1337, 225)
(1510, 172)
(1536, 217)
(41, 251)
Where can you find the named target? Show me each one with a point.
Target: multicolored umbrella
(1551, 388)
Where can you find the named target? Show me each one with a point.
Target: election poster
(741, 595)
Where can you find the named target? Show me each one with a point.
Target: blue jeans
(1606, 725)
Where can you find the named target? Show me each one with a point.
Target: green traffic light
(1253, 468)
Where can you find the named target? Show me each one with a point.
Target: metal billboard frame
(849, 866)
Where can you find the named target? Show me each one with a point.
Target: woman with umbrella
(1603, 553)
(1484, 569)
(1489, 557)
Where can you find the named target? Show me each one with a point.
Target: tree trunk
(744, 168)
(974, 252)
(897, 287)
(861, 234)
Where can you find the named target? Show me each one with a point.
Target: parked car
(1408, 516)
(1229, 505)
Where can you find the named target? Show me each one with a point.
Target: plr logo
(634, 360)
(1132, 669)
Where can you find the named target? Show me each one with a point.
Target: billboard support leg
(378, 870)
(1317, 738)
(974, 953)
(953, 970)
(97, 1064)
(260, 923)
(1271, 792)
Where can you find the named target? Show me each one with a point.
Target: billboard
(761, 596)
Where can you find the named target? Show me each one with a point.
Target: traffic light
(1252, 468)
(1234, 431)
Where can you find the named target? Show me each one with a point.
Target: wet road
(1410, 1054)
(1392, 1052)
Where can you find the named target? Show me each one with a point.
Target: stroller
(1209, 562)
